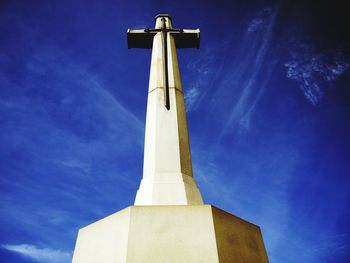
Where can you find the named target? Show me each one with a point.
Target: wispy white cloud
(73, 164)
(314, 70)
(191, 97)
(331, 242)
(259, 22)
(255, 24)
(247, 79)
(42, 255)
(206, 70)
(75, 83)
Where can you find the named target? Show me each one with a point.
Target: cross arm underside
(187, 38)
(184, 38)
(138, 38)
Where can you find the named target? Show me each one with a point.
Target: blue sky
(267, 99)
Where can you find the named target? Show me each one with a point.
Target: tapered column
(167, 168)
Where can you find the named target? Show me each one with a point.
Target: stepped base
(200, 233)
(168, 188)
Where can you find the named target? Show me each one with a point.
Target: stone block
(199, 233)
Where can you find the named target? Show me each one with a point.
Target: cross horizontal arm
(138, 38)
(184, 38)
(187, 38)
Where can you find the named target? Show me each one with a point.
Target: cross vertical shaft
(167, 168)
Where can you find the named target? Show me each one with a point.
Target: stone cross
(169, 221)
(167, 168)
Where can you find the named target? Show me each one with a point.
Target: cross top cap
(163, 15)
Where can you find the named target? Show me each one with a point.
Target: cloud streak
(77, 91)
(205, 72)
(248, 75)
(41, 255)
(191, 97)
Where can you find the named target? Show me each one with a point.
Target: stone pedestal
(184, 233)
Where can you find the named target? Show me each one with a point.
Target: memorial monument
(168, 222)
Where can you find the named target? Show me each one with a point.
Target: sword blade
(165, 51)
